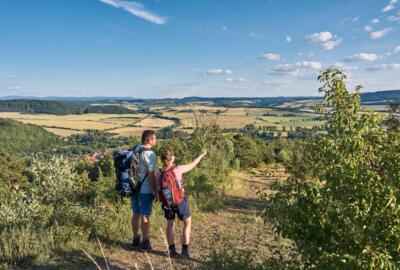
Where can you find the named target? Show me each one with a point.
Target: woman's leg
(187, 223)
(170, 231)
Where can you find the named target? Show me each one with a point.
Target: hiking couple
(164, 185)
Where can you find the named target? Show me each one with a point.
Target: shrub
(59, 210)
(341, 208)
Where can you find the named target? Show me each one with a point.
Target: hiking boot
(145, 245)
(136, 242)
(185, 252)
(172, 251)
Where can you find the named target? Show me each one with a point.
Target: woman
(173, 198)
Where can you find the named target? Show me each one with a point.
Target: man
(142, 203)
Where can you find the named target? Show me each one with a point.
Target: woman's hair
(166, 157)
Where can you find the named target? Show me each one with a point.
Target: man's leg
(145, 226)
(135, 224)
(145, 205)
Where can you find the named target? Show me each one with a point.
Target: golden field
(134, 124)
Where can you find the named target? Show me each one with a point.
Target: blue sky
(178, 48)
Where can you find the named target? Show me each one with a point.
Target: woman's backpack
(171, 189)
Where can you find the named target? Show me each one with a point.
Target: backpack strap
(141, 150)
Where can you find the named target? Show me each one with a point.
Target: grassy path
(235, 226)
(236, 223)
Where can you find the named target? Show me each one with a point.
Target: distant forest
(76, 105)
(57, 107)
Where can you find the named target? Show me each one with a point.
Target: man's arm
(154, 184)
(153, 181)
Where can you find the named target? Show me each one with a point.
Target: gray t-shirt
(147, 164)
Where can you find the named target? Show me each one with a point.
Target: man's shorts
(142, 204)
(181, 210)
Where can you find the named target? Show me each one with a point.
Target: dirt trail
(236, 222)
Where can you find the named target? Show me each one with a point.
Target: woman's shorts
(181, 210)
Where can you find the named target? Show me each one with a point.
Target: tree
(342, 208)
(246, 151)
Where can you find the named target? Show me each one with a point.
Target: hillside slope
(21, 140)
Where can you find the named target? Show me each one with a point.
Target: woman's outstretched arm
(188, 167)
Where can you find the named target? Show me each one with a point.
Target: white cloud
(271, 56)
(319, 37)
(6, 76)
(328, 40)
(219, 71)
(375, 21)
(370, 57)
(344, 66)
(136, 9)
(13, 88)
(368, 28)
(393, 18)
(384, 67)
(380, 34)
(288, 39)
(311, 54)
(397, 49)
(390, 6)
(330, 45)
(278, 82)
(295, 69)
(311, 64)
(224, 28)
(355, 19)
(255, 35)
(236, 80)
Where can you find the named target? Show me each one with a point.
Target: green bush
(59, 210)
(341, 206)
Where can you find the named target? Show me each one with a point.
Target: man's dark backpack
(126, 164)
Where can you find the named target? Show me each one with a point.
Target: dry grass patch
(71, 124)
(128, 131)
(155, 122)
(63, 132)
(77, 122)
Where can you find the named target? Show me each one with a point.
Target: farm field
(283, 117)
(239, 117)
(65, 125)
(134, 124)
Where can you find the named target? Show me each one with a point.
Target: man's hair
(147, 134)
